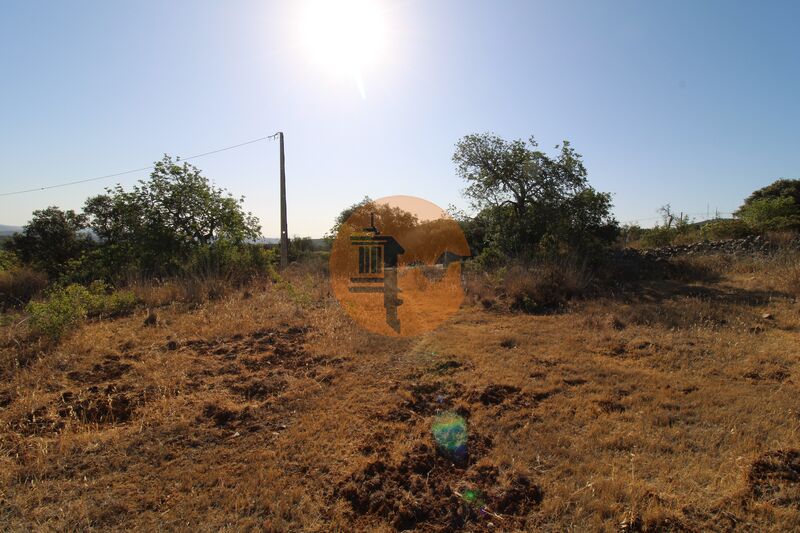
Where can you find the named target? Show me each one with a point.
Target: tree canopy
(527, 199)
(160, 221)
(782, 188)
(51, 239)
(158, 227)
(774, 207)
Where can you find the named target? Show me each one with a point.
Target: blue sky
(694, 103)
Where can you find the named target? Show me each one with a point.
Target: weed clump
(545, 286)
(65, 308)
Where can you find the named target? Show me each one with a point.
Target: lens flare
(450, 433)
(474, 497)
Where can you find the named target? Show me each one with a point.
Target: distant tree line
(175, 222)
(527, 205)
(774, 208)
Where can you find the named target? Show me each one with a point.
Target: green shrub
(725, 229)
(630, 235)
(490, 258)
(7, 260)
(771, 214)
(775, 207)
(93, 264)
(65, 308)
(688, 236)
(50, 239)
(658, 236)
(103, 301)
(235, 263)
(300, 248)
(60, 313)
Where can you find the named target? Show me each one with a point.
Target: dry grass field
(666, 406)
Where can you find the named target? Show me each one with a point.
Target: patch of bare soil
(110, 369)
(497, 394)
(90, 405)
(96, 406)
(5, 399)
(37, 422)
(425, 491)
(422, 489)
(774, 477)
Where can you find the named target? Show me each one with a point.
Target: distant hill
(316, 244)
(702, 223)
(9, 230)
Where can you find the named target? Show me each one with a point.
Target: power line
(151, 167)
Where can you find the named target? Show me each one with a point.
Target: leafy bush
(60, 313)
(771, 214)
(630, 235)
(301, 248)
(725, 229)
(18, 284)
(101, 300)
(490, 258)
(658, 236)
(65, 308)
(782, 188)
(7, 260)
(232, 262)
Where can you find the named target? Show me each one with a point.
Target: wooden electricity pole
(284, 231)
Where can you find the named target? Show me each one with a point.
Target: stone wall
(753, 245)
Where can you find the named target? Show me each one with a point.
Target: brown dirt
(425, 491)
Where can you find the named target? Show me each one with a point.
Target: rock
(767, 316)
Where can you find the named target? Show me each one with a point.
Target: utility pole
(284, 231)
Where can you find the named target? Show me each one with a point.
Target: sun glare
(344, 36)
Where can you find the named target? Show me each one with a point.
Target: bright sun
(345, 36)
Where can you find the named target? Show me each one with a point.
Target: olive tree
(526, 198)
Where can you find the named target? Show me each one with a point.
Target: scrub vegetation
(158, 372)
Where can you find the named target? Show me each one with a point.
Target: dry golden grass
(671, 407)
(20, 285)
(544, 286)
